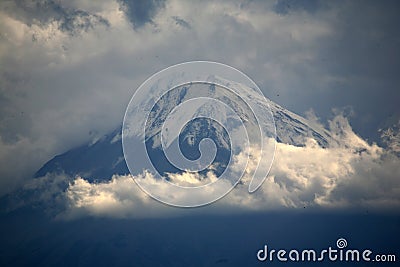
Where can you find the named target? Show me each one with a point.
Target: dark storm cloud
(365, 52)
(140, 12)
(356, 65)
(44, 11)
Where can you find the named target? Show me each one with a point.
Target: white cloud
(352, 176)
(391, 136)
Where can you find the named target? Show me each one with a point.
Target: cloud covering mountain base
(352, 175)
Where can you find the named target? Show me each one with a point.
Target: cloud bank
(353, 175)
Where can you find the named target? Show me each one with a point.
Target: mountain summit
(100, 160)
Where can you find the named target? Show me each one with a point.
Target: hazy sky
(69, 68)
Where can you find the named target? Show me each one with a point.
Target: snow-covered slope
(105, 157)
(295, 130)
